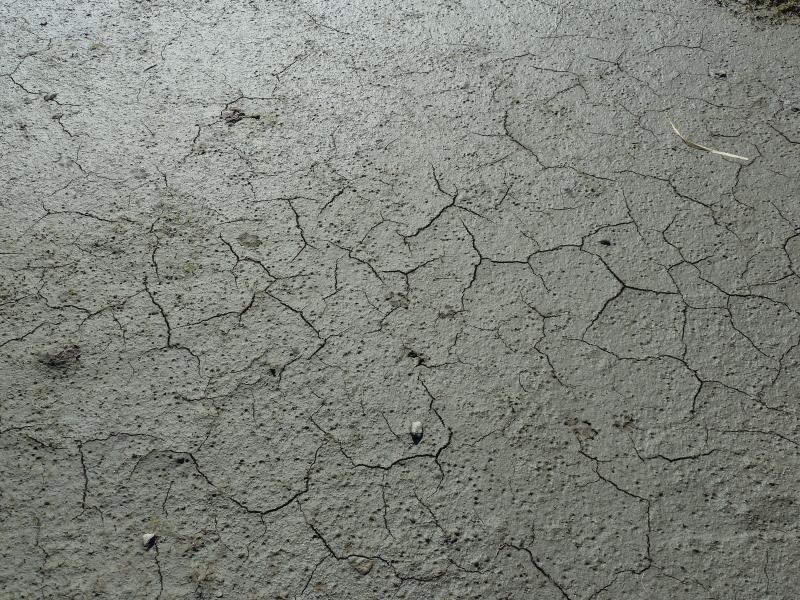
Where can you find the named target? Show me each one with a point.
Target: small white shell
(416, 431)
(148, 539)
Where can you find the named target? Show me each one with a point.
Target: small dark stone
(605, 242)
(233, 116)
(249, 240)
(61, 359)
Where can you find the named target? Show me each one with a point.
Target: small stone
(364, 567)
(249, 240)
(148, 540)
(416, 432)
(233, 116)
(50, 96)
(61, 359)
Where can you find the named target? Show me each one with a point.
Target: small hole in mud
(605, 242)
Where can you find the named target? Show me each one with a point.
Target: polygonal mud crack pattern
(244, 247)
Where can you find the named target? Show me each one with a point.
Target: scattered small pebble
(249, 240)
(364, 567)
(61, 359)
(233, 116)
(148, 540)
(416, 432)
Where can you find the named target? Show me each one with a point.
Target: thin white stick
(697, 146)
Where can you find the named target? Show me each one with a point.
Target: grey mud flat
(245, 245)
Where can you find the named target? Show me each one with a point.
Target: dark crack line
(170, 344)
(25, 335)
(160, 574)
(539, 568)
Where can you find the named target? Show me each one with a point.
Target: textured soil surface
(782, 7)
(245, 245)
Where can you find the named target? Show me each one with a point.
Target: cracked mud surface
(246, 245)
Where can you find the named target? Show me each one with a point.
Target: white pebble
(416, 432)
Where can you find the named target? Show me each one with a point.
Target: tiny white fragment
(416, 432)
(148, 540)
(697, 146)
